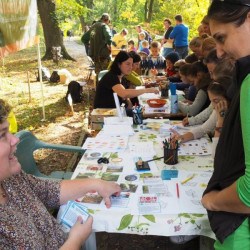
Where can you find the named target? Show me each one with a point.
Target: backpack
(75, 91)
(45, 74)
(54, 77)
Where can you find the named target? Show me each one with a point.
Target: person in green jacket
(99, 39)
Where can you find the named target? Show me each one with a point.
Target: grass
(14, 88)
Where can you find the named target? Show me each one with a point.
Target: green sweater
(133, 77)
(98, 36)
(243, 183)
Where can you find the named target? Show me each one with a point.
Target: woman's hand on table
(78, 234)
(106, 189)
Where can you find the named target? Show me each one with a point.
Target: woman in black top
(113, 81)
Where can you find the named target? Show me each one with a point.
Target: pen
(177, 190)
(188, 179)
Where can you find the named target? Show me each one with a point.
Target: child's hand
(185, 121)
(154, 71)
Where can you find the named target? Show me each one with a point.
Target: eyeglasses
(234, 2)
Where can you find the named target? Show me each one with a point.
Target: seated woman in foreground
(113, 82)
(25, 222)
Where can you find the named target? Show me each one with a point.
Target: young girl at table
(25, 222)
(198, 73)
(217, 92)
(217, 69)
(131, 46)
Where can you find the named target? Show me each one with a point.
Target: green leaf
(185, 215)
(150, 218)
(192, 221)
(91, 211)
(125, 221)
(198, 215)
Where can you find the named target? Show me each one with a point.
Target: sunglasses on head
(234, 2)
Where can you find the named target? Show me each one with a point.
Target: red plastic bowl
(156, 103)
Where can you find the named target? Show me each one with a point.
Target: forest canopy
(75, 14)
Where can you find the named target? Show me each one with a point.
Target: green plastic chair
(28, 144)
(101, 74)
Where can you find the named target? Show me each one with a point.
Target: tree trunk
(51, 30)
(148, 11)
(82, 22)
(90, 5)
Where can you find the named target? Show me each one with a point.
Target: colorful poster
(18, 25)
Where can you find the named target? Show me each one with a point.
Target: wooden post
(28, 77)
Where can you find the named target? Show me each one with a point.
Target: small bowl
(156, 103)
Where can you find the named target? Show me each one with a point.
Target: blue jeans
(166, 51)
(182, 51)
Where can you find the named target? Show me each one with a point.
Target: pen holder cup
(170, 156)
(164, 91)
(137, 118)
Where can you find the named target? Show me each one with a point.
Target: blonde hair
(179, 63)
(197, 41)
(208, 44)
(145, 43)
(142, 34)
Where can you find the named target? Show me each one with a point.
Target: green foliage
(131, 12)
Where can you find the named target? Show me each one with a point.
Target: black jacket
(229, 162)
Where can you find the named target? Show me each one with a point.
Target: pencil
(177, 189)
(188, 179)
(169, 159)
(155, 159)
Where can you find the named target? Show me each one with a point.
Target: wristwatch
(219, 129)
(223, 113)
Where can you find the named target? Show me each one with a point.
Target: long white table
(122, 221)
